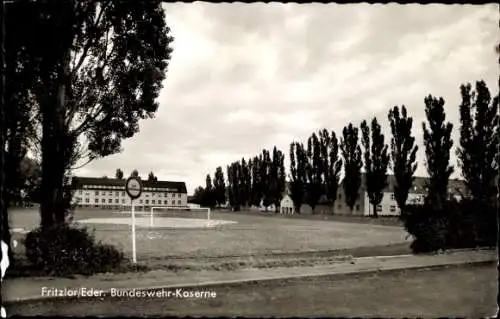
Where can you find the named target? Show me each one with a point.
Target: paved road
(18, 289)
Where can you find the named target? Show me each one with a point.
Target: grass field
(465, 291)
(251, 235)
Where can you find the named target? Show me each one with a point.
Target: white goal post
(181, 209)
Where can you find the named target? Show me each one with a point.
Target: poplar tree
(278, 177)
(376, 160)
(438, 143)
(220, 187)
(334, 168)
(479, 141)
(314, 171)
(403, 154)
(298, 177)
(351, 152)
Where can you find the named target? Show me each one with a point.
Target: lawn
(464, 291)
(251, 235)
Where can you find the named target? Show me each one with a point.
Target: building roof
(80, 181)
(456, 186)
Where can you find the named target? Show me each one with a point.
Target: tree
(198, 196)
(209, 198)
(152, 177)
(17, 115)
(220, 187)
(135, 173)
(334, 167)
(234, 178)
(30, 182)
(94, 81)
(278, 177)
(245, 181)
(351, 153)
(438, 143)
(268, 184)
(314, 171)
(324, 143)
(403, 154)
(230, 181)
(376, 162)
(478, 143)
(256, 187)
(298, 177)
(119, 174)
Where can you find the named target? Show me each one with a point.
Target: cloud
(244, 77)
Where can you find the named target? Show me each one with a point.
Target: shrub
(427, 226)
(465, 224)
(63, 250)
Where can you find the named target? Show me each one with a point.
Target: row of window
(392, 208)
(117, 201)
(110, 193)
(146, 189)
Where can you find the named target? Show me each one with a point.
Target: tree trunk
(54, 151)
(375, 213)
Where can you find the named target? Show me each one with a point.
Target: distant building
(109, 193)
(286, 205)
(388, 206)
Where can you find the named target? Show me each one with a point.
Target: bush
(63, 250)
(427, 226)
(465, 224)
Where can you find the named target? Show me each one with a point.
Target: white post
(134, 257)
(209, 215)
(151, 218)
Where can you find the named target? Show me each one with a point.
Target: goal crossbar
(174, 208)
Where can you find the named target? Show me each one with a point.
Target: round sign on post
(133, 186)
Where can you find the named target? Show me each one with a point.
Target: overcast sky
(244, 77)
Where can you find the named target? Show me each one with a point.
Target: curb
(365, 271)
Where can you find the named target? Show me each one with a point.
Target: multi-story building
(388, 206)
(109, 193)
(416, 195)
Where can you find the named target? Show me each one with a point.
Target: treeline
(315, 167)
(252, 182)
(135, 173)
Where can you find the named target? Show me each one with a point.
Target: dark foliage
(135, 173)
(219, 187)
(403, 153)
(314, 171)
(91, 83)
(198, 196)
(438, 143)
(298, 176)
(479, 140)
(277, 177)
(465, 224)
(63, 250)
(119, 173)
(351, 152)
(257, 181)
(334, 166)
(152, 177)
(209, 199)
(376, 162)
